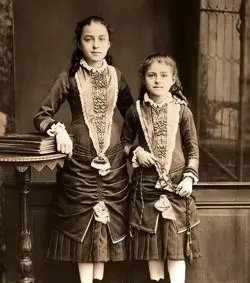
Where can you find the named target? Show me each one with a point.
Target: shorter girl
(163, 213)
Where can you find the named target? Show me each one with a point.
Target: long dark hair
(77, 54)
(176, 89)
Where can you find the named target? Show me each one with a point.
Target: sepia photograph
(124, 141)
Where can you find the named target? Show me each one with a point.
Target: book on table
(27, 143)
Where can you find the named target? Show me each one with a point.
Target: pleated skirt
(166, 243)
(97, 246)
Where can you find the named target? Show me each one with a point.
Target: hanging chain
(189, 253)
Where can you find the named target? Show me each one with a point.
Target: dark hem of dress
(97, 246)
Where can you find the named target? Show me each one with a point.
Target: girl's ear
(79, 46)
(174, 79)
(143, 79)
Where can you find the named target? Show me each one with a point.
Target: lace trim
(160, 132)
(135, 163)
(53, 130)
(98, 109)
(164, 206)
(172, 117)
(168, 99)
(84, 64)
(101, 212)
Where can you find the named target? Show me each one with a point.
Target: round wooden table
(23, 165)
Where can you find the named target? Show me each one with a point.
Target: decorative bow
(101, 212)
(164, 206)
(101, 163)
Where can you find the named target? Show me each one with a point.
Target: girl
(92, 196)
(163, 213)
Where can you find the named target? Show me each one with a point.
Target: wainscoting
(224, 211)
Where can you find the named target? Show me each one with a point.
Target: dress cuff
(135, 163)
(192, 175)
(45, 125)
(55, 128)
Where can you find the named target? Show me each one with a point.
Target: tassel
(189, 252)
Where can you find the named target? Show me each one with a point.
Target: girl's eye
(151, 75)
(102, 39)
(164, 75)
(87, 39)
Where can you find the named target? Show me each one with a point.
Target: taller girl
(92, 195)
(166, 157)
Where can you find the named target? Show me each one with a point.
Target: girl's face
(159, 79)
(94, 43)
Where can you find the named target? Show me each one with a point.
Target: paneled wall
(43, 44)
(224, 237)
(43, 37)
(44, 33)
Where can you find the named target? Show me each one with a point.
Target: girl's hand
(145, 158)
(64, 142)
(185, 187)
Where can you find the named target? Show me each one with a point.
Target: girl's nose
(95, 44)
(157, 79)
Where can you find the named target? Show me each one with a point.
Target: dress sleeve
(129, 132)
(190, 142)
(124, 100)
(44, 118)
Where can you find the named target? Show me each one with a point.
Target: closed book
(27, 143)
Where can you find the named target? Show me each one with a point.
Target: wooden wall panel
(224, 234)
(224, 238)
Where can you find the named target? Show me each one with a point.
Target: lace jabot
(98, 89)
(167, 100)
(160, 126)
(86, 66)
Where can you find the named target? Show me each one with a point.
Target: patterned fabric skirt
(166, 243)
(97, 246)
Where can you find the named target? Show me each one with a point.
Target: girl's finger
(61, 148)
(58, 147)
(142, 163)
(179, 186)
(68, 148)
(154, 158)
(151, 161)
(64, 148)
(182, 192)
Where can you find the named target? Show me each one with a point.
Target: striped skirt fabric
(164, 244)
(97, 246)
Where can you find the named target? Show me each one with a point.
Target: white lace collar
(168, 99)
(84, 64)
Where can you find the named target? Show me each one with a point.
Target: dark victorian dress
(91, 200)
(160, 219)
